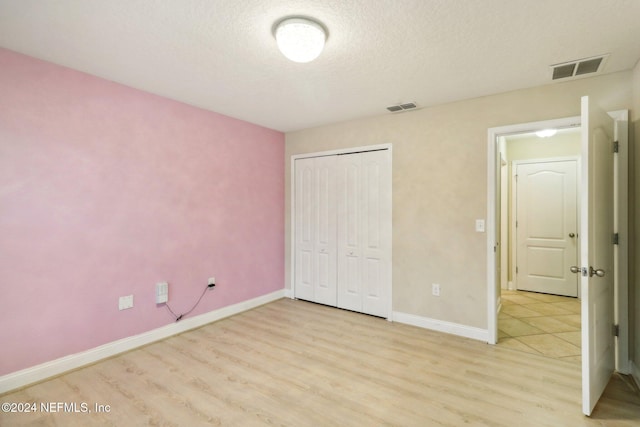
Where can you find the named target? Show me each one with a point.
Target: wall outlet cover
(125, 302)
(162, 292)
(435, 289)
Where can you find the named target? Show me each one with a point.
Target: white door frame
(621, 250)
(352, 150)
(513, 230)
(621, 118)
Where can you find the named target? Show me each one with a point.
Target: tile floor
(541, 324)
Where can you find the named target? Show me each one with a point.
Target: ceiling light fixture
(300, 39)
(545, 133)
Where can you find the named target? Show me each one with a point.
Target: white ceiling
(221, 55)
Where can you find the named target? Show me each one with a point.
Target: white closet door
(315, 222)
(325, 226)
(304, 230)
(364, 232)
(349, 232)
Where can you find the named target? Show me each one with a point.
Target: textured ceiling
(221, 55)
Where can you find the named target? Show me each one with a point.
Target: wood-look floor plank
(293, 363)
(336, 364)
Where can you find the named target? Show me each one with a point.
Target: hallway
(543, 324)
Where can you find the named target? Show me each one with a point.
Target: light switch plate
(480, 225)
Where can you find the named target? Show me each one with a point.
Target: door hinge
(616, 238)
(616, 146)
(616, 330)
(516, 270)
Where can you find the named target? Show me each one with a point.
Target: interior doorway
(498, 272)
(538, 218)
(603, 214)
(539, 223)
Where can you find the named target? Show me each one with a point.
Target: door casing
(621, 124)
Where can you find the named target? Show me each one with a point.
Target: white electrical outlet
(125, 302)
(435, 289)
(162, 292)
(212, 281)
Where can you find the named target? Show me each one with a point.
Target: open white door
(596, 254)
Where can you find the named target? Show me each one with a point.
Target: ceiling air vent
(579, 67)
(402, 107)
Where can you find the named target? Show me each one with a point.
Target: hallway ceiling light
(545, 133)
(300, 39)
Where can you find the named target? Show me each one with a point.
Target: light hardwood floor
(293, 363)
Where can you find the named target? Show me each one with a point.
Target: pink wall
(106, 190)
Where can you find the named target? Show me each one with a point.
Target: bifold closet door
(315, 230)
(364, 232)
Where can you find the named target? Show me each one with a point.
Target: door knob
(599, 272)
(574, 269)
(572, 235)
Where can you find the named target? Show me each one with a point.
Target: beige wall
(634, 200)
(440, 186)
(532, 147)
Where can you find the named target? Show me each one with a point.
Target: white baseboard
(442, 326)
(288, 293)
(55, 367)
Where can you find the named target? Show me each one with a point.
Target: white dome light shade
(300, 40)
(546, 133)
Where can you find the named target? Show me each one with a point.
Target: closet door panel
(325, 290)
(371, 202)
(373, 285)
(349, 232)
(377, 235)
(376, 232)
(351, 200)
(304, 229)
